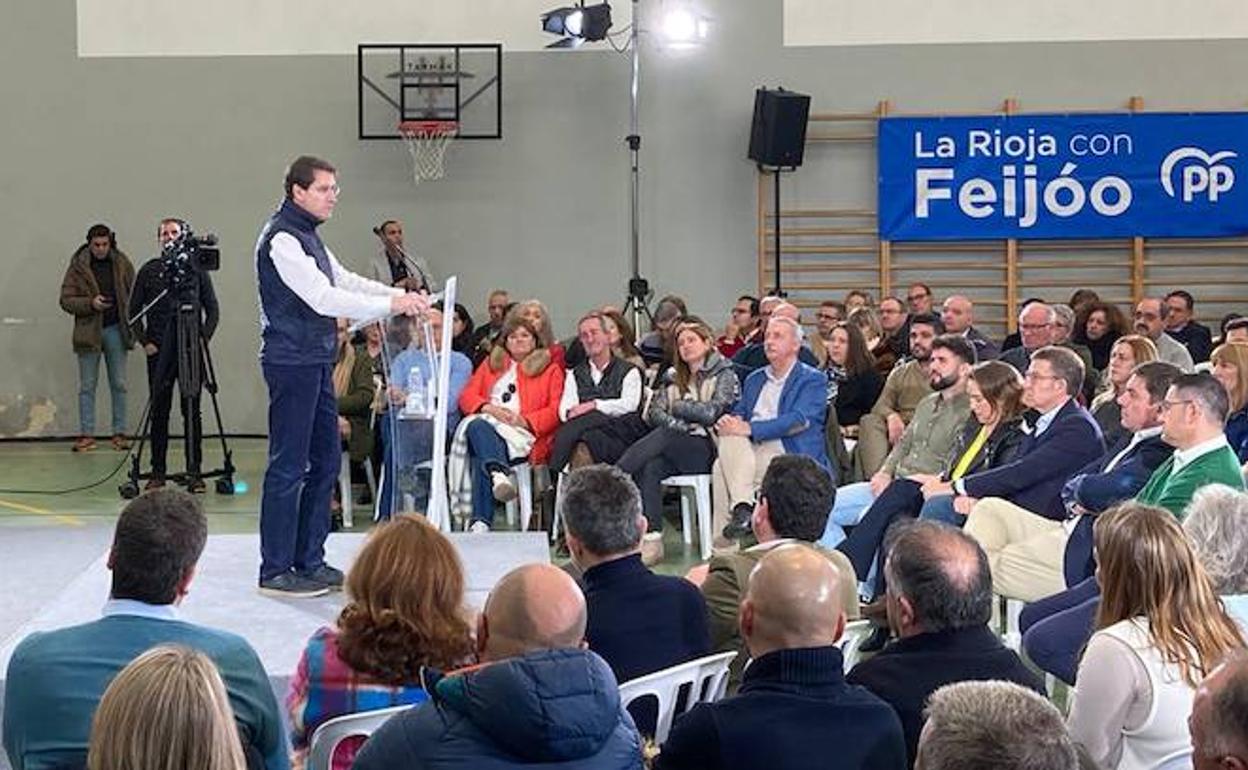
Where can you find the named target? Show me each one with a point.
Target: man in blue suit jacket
(1016, 509)
(781, 411)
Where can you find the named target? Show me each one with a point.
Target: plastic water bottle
(417, 402)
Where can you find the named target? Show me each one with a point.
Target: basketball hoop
(427, 141)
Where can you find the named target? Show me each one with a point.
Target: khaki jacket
(79, 287)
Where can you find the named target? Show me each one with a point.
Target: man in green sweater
(55, 679)
(1193, 421)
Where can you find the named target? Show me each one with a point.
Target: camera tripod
(195, 372)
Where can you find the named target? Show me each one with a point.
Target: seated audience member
(1128, 352)
(355, 390)
(989, 438)
(907, 384)
(462, 330)
(1150, 321)
(1230, 367)
(743, 323)
(794, 705)
(598, 409)
(1015, 510)
(690, 398)
(483, 336)
(1035, 330)
(781, 411)
(855, 298)
(1235, 330)
(868, 322)
(657, 347)
(167, 709)
(622, 338)
(55, 678)
(958, 315)
(1219, 720)
(753, 356)
(828, 315)
(993, 726)
(535, 312)
(511, 408)
(639, 622)
(405, 610)
(895, 321)
(1081, 298)
(538, 699)
(1217, 525)
(919, 299)
(1182, 326)
(1160, 629)
(853, 383)
(793, 503)
(1099, 325)
(1014, 339)
(409, 442)
(1063, 325)
(925, 442)
(939, 602)
(1203, 460)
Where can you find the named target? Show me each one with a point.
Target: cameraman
(158, 333)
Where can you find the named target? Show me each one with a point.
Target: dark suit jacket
(1034, 478)
(1094, 490)
(908, 671)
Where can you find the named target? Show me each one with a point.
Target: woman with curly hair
(405, 610)
(1160, 629)
(1099, 325)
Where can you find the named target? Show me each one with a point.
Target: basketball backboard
(459, 82)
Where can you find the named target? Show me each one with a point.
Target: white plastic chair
(707, 679)
(524, 494)
(344, 487)
(1011, 636)
(856, 632)
(333, 732)
(700, 485)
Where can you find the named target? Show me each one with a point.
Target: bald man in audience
(1219, 719)
(538, 699)
(958, 315)
(794, 710)
(939, 602)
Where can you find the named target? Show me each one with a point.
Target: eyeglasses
(1034, 327)
(917, 297)
(1038, 376)
(1167, 405)
(828, 317)
(511, 391)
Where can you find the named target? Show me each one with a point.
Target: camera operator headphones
(112, 236)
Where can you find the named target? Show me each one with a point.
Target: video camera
(188, 254)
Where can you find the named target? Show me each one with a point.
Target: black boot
(738, 525)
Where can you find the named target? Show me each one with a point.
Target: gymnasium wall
(126, 135)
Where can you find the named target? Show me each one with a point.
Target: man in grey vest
(303, 290)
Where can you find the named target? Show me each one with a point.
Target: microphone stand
(408, 262)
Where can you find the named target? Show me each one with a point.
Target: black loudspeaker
(778, 134)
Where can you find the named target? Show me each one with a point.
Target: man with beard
(925, 445)
(906, 386)
(1150, 321)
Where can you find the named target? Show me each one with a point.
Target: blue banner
(1063, 176)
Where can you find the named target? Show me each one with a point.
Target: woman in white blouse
(1160, 629)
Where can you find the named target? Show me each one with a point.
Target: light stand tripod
(638, 288)
(195, 372)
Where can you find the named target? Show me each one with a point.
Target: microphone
(407, 260)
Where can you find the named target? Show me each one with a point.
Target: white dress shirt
(349, 296)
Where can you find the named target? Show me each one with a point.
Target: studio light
(577, 24)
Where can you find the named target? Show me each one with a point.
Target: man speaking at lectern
(303, 290)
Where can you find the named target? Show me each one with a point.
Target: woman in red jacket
(516, 393)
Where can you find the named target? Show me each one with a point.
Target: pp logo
(1201, 173)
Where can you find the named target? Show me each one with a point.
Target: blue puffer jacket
(552, 708)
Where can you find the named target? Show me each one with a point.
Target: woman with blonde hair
(1126, 354)
(699, 388)
(1160, 629)
(868, 322)
(405, 610)
(535, 312)
(1230, 367)
(167, 710)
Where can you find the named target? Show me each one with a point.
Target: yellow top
(968, 456)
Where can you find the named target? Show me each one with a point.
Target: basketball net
(426, 142)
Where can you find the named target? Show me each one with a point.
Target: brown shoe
(155, 482)
(121, 443)
(84, 444)
(196, 486)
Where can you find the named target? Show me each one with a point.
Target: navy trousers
(1058, 627)
(304, 456)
